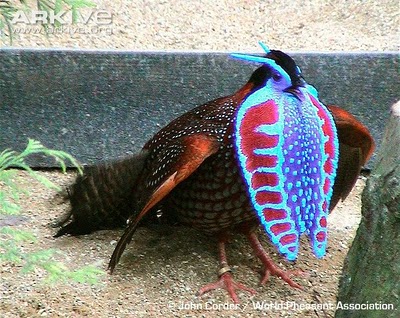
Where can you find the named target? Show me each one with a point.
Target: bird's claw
(284, 275)
(226, 282)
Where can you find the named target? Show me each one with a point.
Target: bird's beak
(294, 89)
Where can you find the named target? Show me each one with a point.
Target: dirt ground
(165, 266)
(232, 25)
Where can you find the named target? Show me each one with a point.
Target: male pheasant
(270, 154)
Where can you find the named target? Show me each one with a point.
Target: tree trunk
(371, 275)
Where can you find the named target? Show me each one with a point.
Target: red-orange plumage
(356, 146)
(352, 132)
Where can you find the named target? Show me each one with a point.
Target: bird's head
(279, 71)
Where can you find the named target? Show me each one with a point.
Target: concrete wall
(100, 105)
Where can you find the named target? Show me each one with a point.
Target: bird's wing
(169, 166)
(356, 146)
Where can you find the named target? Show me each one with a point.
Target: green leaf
(87, 274)
(78, 4)
(17, 234)
(10, 237)
(12, 159)
(7, 207)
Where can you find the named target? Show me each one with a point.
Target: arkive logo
(34, 17)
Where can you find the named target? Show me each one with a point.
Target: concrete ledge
(99, 105)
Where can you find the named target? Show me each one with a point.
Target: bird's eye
(276, 77)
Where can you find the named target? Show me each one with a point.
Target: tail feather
(122, 243)
(103, 197)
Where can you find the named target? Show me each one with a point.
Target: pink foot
(274, 270)
(270, 268)
(226, 282)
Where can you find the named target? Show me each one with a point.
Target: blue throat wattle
(287, 150)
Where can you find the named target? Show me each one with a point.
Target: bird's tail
(103, 197)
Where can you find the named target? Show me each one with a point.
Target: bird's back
(214, 197)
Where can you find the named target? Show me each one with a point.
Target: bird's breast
(214, 198)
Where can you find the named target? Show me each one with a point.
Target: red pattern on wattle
(260, 179)
(288, 239)
(264, 197)
(262, 114)
(327, 185)
(261, 161)
(321, 236)
(328, 167)
(274, 214)
(329, 147)
(280, 228)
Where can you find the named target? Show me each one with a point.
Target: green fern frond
(17, 234)
(11, 238)
(12, 159)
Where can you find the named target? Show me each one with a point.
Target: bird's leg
(270, 268)
(225, 276)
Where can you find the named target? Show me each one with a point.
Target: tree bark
(371, 274)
